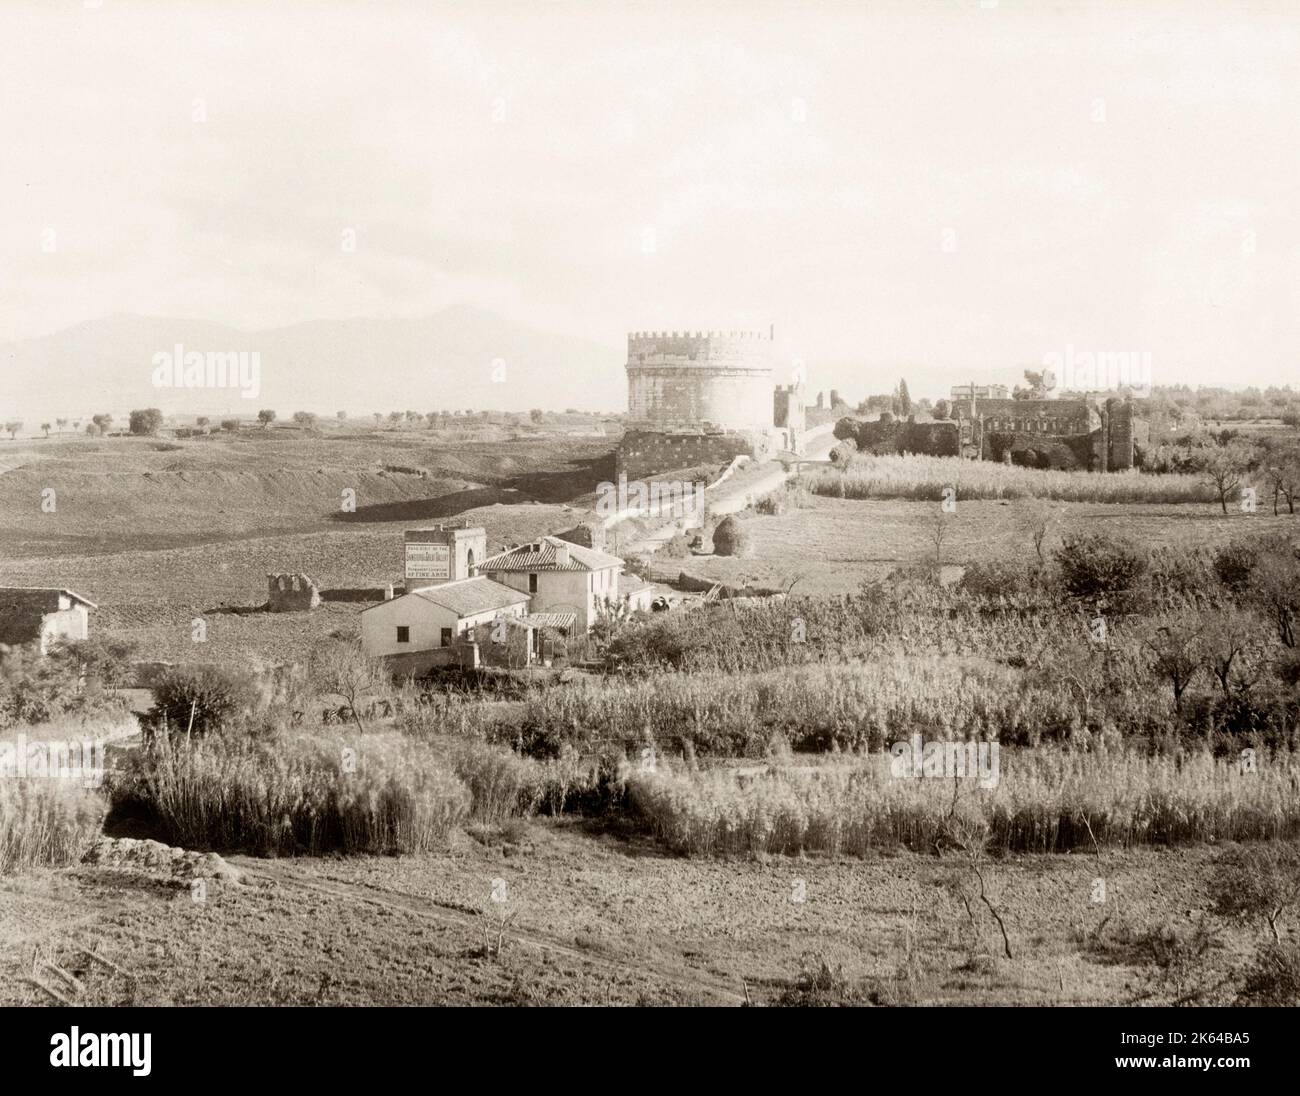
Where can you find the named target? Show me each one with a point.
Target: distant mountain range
(461, 357)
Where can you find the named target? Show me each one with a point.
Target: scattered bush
(200, 699)
(1095, 565)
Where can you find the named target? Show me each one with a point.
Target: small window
(403, 634)
(532, 584)
(444, 638)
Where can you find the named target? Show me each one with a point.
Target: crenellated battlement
(701, 336)
(722, 378)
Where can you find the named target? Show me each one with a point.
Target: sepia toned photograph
(688, 504)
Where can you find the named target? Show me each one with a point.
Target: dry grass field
(832, 545)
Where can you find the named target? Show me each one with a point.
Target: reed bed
(1046, 801)
(924, 478)
(304, 795)
(51, 819)
(850, 706)
(47, 822)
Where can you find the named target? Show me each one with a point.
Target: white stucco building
(559, 577)
(434, 617)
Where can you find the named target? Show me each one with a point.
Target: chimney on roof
(562, 555)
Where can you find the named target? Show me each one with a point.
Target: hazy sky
(957, 187)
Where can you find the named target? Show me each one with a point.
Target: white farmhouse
(559, 577)
(45, 615)
(434, 617)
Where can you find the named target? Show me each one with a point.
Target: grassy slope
(120, 494)
(158, 536)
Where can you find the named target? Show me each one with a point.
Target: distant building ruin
(291, 592)
(1098, 436)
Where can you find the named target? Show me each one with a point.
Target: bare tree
(1283, 478)
(1224, 468)
(342, 669)
(1176, 654)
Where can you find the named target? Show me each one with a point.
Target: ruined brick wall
(644, 453)
(291, 592)
(1064, 452)
(680, 378)
(1126, 431)
(788, 406)
(1058, 417)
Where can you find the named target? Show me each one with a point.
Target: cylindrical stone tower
(682, 379)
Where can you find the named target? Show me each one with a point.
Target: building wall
(684, 378)
(426, 620)
(643, 453)
(1033, 416)
(1113, 428)
(465, 548)
(72, 623)
(567, 591)
(41, 616)
(1125, 430)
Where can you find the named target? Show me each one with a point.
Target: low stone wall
(643, 453)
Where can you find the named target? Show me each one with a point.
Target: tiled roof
(23, 608)
(561, 622)
(468, 596)
(541, 555)
(48, 594)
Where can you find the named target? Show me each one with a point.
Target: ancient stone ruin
(291, 592)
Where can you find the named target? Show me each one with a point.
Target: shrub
(993, 580)
(677, 547)
(1093, 565)
(1234, 562)
(147, 421)
(201, 698)
(1261, 882)
(1273, 980)
(40, 690)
